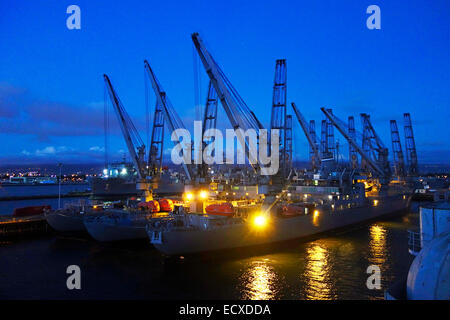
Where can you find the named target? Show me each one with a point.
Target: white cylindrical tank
(429, 275)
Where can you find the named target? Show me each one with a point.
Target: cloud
(97, 149)
(48, 151)
(23, 114)
(60, 153)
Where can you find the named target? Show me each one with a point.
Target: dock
(11, 227)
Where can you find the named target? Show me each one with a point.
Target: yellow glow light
(188, 196)
(203, 194)
(260, 221)
(316, 213)
(375, 203)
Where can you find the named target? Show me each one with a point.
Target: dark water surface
(332, 267)
(40, 189)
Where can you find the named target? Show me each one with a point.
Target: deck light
(375, 203)
(188, 196)
(260, 221)
(203, 194)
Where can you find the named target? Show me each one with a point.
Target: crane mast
(130, 134)
(157, 142)
(411, 154)
(323, 140)
(397, 150)
(278, 116)
(331, 146)
(353, 156)
(171, 117)
(314, 153)
(209, 122)
(289, 143)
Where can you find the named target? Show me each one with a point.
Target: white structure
(429, 275)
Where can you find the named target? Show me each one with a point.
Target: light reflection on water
(259, 281)
(317, 272)
(377, 244)
(332, 267)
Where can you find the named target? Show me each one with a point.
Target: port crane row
(323, 154)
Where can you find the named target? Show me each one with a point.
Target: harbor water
(331, 267)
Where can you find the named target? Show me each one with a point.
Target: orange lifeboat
(152, 206)
(224, 209)
(166, 205)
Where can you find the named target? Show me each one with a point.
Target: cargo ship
(126, 223)
(70, 218)
(286, 216)
(118, 181)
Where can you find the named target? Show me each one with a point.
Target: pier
(11, 227)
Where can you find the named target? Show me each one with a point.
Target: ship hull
(180, 242)
(106, 232)
(113, 188)
(62, 222)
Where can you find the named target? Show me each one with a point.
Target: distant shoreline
(51, 196)
(9, 184)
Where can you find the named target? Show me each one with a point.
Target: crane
(134, 143)
(157, 142)
(331, 145)
(311, 140)
(341, 128)
(397, 150)
(314, 153)
(209, 122)
(278, 116)
(375, 145)
(323, 140)
(171, 116)
(289, 143)
(411, 153)
(353, 156)
(237, 111)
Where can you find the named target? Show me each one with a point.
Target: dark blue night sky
(51, 85)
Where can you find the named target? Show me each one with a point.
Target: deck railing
(414, 243)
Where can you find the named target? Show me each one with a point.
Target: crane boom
(239, 114)
(352, 142)
(305, 129)
(128, 130)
